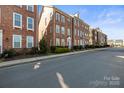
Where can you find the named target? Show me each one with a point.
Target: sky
(109, 18)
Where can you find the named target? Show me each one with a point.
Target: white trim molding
(32, 8)
(27, 41)
(32, 23)
(20, 41)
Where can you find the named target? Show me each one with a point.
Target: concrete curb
(29, 60)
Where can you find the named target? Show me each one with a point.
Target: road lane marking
(120, 60)
(120, 56)
(36, 66)
(61, 80)
(38, 63)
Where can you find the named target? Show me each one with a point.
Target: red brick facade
(78, 37)
(98, 37)
(50, 33)
(80, 32)
(7, 24)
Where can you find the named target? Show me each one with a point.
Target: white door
(1, 47)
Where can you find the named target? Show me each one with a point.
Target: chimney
(77, 15)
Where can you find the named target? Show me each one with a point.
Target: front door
(1, 47)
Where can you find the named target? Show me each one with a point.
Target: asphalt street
(103, 68)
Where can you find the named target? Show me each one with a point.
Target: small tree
(43, 46)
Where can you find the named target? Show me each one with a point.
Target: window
(78, 33)
(17, 20)
(68, 31)
(30, 41)
(81, 42)
(75, 42)
(57, 16)
(30, 8)
(17, 41)
(57, 42)
(62, 30)
(30, 23)
(78, 42)
(63, 42)
(57, 29)
(63, 19)
(82, 34)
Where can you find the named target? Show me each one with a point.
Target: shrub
(61, 46)
(9, 53)
(107, 45)
(34, 50)
(62, 50)
(75, 47)
(92, 46)
(43, 46)
(78, 47)
(52, 49)
(23, 51)
(97, 46)
(89, 46)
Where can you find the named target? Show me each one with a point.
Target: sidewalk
(29, 60)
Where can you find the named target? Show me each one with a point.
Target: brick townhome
(80, 31)
(21, 27)
(18, 26)
(55, 26)
(62, 29)
(98, 37)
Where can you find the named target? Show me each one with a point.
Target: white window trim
(62, 18)
(63, 29)
(14, 20)
(32, 8)
(58, 44)
(57, 16)
(27, 41)
(20, 41)
(32, 23)
(62, 42)
(57, 28)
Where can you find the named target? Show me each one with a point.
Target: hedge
(62, 50)
(9, 53)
